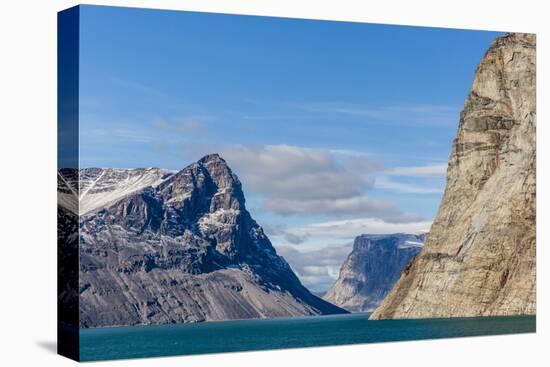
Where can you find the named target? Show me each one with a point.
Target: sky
(334, 128)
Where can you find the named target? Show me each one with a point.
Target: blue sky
(335, 128)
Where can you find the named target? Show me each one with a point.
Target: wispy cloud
(137, 86)
(432, 170)
(397, 114)
(121, 133)
(185, 125)
(383, 182)
(359, 205)
(352, 153)
(426, 179)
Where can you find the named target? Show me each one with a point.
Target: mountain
(161, 247)
(479, 256)
(371, 270)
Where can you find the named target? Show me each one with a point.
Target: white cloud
(297, 180)
(431, 174)
(386, 183)
(353, 153)
(433, 170)
(353, 205)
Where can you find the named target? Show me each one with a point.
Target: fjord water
(296, 332)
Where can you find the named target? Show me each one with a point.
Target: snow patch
(98, 189)
(217, 219)
(409, 244)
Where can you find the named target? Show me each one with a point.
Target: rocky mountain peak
(219, 171)
(184, 249)
(209, 177)
(212, 158)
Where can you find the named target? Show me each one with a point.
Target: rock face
(479, 256)
(159, 247)
(371, 270)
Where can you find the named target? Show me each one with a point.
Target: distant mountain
(480, 254)
(161, 247)
(371, 270)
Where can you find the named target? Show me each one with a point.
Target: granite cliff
(479, 256)
(371, 270)
(161, 247)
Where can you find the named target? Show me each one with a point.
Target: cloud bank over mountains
(316, 251)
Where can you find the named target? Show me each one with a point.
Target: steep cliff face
(479, 256)
(371, 270)
(159, 247)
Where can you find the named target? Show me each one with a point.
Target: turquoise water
(232, 336)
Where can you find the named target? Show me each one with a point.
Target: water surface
(242, 335)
